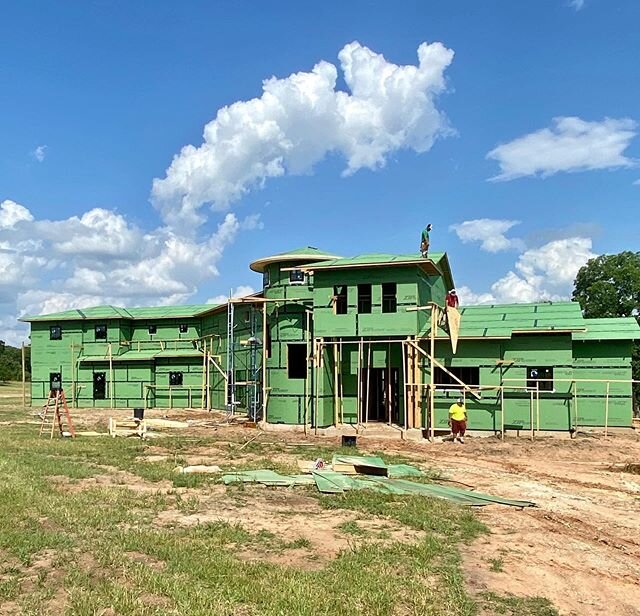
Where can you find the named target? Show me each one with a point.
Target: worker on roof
(452, 300)
(424, 241)
(458, 420)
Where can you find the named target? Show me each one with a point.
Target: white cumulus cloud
(571, 144)
(12, 213)
(239, 291)
(540, 274)
(40, 153)
(300, 119)
(490, 232)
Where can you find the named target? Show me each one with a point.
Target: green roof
(115, 312)
(503, 320)
(376, 259)
(301, 255)
(617, 328)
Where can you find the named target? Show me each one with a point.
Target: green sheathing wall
(49, 356)
(601, 360)
(399, 323)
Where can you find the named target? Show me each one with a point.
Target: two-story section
(289, 329)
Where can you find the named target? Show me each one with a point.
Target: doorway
(384, 401)
(99, 385)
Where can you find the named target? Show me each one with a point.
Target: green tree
(609, 286)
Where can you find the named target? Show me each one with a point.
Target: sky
(150, 151)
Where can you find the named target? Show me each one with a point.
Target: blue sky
(98, 97)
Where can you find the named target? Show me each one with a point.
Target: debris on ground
(369, 473)
(198, 468)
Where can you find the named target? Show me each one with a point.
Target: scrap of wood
(198, 468)
(166, 423)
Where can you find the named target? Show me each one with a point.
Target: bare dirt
(580, 547)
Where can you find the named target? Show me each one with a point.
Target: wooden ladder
(56, 413)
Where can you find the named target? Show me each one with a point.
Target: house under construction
(334, 340)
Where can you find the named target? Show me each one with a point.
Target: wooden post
(404, 383)
(502, 412)
(204, 367)
(170, 397)
(24, 379)
(432, 352)
(537, 407)
(336, 392)
(341, 382)
(306, 380)
(531, 414)
(575, 403)
(366, 402)
(606, 410)
(389, 404)
(417, 408)
(111, 374)
(359, 405)
(264, 367)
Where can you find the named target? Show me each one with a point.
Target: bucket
(348, 441)
(138, 414)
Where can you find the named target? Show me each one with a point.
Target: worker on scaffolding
(458, 420)
(424, 241)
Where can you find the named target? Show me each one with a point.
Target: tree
(609, 286)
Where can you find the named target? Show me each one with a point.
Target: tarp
(267, 477)
(332, 482)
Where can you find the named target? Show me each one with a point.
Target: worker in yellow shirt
(458, 420)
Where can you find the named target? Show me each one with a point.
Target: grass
(70, 545)
(517, 606)
(497, 565)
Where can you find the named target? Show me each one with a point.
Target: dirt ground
(580, 547)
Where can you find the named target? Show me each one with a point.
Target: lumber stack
(127, 427)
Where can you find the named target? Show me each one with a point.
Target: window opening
(340, 299)
(175, 378)
(296, 277)
(55, 381)
(55, 332)
(540, 376)
(297, 361)
(364, 298)
(101, 332)
(99, 385)
(389, 297)
(265, 278)
(153, 329)
(470, 375)
(184, 328)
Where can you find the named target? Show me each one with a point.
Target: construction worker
(424, 241)
(458, 420)
(452, 299)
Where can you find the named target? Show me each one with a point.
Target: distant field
(102, 526)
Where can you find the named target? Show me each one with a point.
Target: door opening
(99, 385)
(384, 401)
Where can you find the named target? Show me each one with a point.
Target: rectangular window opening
(184, 328)
(175, 378)
(296, 277)
(99, 385)
(389, 297)
(265, 279)
(55, 381)
(340, 299)
(540, 376)
(468, 375)
(364, 298)
(100, 332)
(153, 329)
(297, 361)
(55, 332)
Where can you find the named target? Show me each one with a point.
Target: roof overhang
(260, 264)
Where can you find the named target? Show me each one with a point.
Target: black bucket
(349, 441)
(138, 414)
